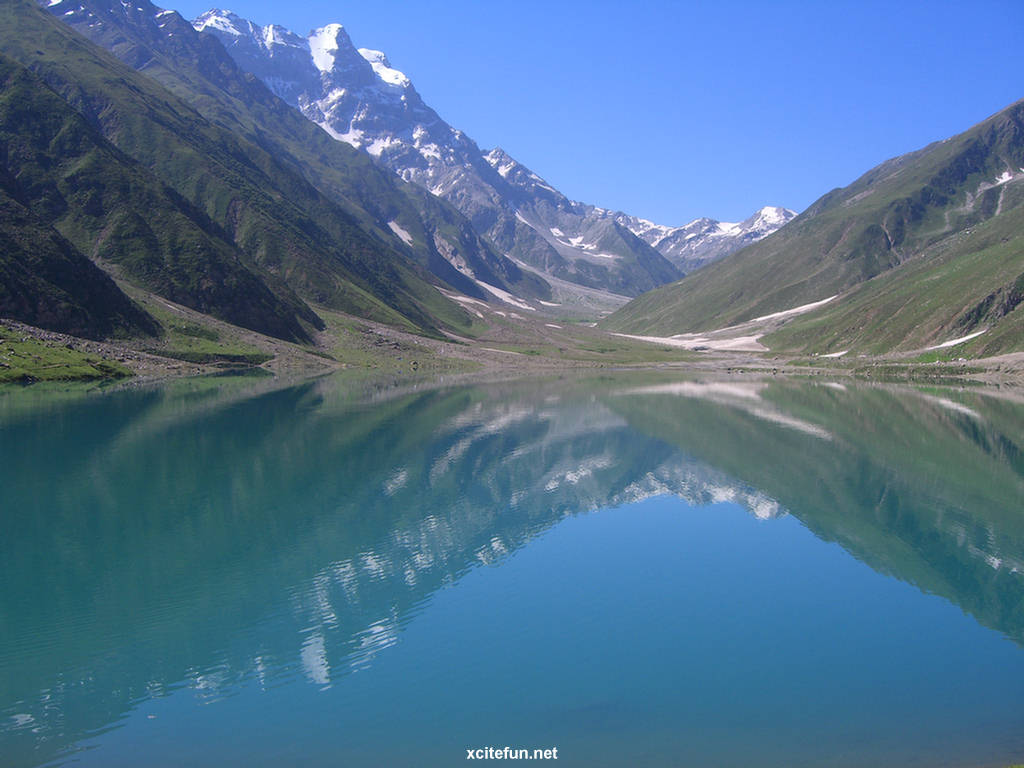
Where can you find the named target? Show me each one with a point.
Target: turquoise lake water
(634, 571)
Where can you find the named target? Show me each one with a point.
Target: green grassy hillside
(974, 283)
(925, 206)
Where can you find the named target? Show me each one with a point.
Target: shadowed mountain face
(62, 170)
(46, 282)
(217, 531)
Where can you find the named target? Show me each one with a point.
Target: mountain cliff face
(359, 98)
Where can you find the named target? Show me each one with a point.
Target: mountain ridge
(161, 44)
(358, 98)
(703, 240)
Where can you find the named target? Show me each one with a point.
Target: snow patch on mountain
(402, 234)
(505, 296)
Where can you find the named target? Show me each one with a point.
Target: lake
(633, 570)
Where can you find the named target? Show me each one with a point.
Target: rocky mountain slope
(164, 46)
(216, 154)
(359, 98)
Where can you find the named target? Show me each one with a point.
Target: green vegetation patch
(25, 359)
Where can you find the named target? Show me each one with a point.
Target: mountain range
(704, 240)
(266, 179)
(174, 201)
(171, 166)
(359, 98)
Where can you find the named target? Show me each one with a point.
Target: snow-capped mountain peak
(500, 161)
(773, 214)
(357, 97)
(227, 22)
(703, 240)
(323, 44)
(767, 220)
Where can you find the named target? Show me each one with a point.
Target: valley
(315, 213)
(606, 393)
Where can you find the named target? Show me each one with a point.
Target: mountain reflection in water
(211, 533)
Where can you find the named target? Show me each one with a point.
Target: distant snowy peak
(323, 46)
(766, 220)
(325, 56)
(762, 223)
(268, 37)
(704, 240)
(773, 215)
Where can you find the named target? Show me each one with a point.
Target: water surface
(636, 571)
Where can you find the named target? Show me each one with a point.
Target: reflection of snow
(745, 397)
(698, 486)
(573, 476)
(375, 638)
(314, 660)
(397, 480)
(951, 405)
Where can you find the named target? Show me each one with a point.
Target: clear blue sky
(672, 110)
